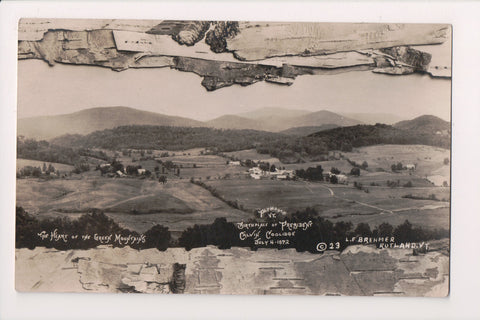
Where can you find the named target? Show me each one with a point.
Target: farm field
(430, 167)
(429, 160)
(192, 163)
(138, 203)
(252, 154)
(337, 202)
(34, 163)
(133, 203)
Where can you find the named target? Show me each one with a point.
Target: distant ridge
(426, 124)
(305, 131)
(234, 122)
(373, 118)
(268, 112)
(280, 119)
(426, 130)
(286, 121)
(94, 119)
(323, 117)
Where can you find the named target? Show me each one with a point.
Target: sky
(61, 89)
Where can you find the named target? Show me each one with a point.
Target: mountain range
(90, 120)
(287, 121)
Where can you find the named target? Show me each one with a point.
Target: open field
(252, 154)
(133, 203)
(430, 168)
(338, 202)
(34, 163)
(191, 162)
(138, 203)
(429, 160)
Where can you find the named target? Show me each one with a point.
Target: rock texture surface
(225, 53)
(358, 270)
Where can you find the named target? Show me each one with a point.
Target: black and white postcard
(233, 157)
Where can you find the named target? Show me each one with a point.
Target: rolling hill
(373, 118)
(426, 124)
(322, 117)
(90, 120)
(344, 138)
(234, 122)
(269, 112)
(280, 119)
(285, 121)
(307, 130)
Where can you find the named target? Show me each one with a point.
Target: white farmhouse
(343, 179)
(410, 167)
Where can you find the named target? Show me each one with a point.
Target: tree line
(220, 233)
(44, 151)
(287, 148)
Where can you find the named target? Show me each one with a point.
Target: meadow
(21, 163)
(139, 202)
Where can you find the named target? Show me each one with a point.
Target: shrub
(355, 171)
(157, 237)
(334, 170)
(408, 184)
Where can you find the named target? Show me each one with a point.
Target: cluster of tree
(170, 138)
(287, 148)
(367, 135)
(265, 166)
(44, 151)
(397, 167)
(393, 184)
(49, 152)
(409, 184)
(112, 167)
(29, 171)
(363, 166)
(335, 170)
(355, 171)
(169, 165)
(80, 167)
(225, 234)
(28, 229)
(311, 174)
(429, 197)
(291, 149)
(220, 233)
(133, 171)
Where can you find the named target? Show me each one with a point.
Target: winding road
(349, 200)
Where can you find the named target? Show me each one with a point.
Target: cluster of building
(106, 167)
(341, 178)
(257, 174)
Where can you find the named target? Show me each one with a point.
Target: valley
(138, 202)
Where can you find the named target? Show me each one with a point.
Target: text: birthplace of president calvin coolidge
(280, 233)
